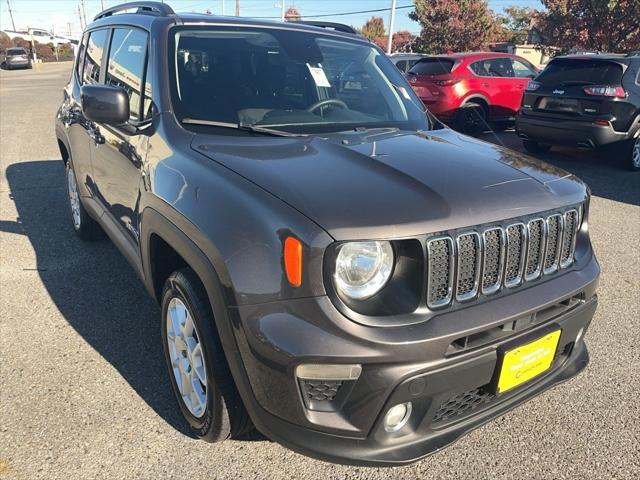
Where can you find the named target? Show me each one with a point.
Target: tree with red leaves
(600, 25)
(373, 28)
(292, 14)
(454, 25)
(400, 42)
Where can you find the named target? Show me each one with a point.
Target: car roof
(477, 55)
(598, 57)
(145, 20)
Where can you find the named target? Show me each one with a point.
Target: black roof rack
(157, 8)
(340, 27)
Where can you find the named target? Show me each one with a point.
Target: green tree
(601, 25)
(454, 25)
(517, 21)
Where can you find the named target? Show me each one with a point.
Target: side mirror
(105, 104)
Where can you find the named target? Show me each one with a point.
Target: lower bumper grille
(462, 403)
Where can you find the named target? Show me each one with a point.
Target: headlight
(363, 268)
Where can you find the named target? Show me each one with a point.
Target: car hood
(390, 184)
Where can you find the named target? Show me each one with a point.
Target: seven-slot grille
(484, 261)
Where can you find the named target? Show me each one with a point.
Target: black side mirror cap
(105, 104)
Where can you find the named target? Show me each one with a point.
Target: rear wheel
(198, 370)
(471, 119)
(634, 160)
(84, 226)
(532, 146)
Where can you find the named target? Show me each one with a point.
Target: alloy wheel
(74, 198)
(187, 357)
(635, 154)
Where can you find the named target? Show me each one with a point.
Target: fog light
(397, 417)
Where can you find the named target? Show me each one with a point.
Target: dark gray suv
(334, 267)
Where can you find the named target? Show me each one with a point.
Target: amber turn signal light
(293, 260)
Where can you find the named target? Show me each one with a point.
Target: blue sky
(58, 14)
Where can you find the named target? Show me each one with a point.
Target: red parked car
(471, 90)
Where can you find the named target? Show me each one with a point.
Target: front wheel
(532, 146)
(198, 371)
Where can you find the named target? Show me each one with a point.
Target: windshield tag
(319, 76)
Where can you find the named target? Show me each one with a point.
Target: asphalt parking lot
(83, 388)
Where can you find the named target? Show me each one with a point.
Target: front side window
(284, 79)
(127, 59)
(93, 56)
(522, 70)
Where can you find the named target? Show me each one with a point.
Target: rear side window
(584, 72)
(493, 67)
(80, 57)
(433, 66)
(402, 65)
(93, 56)
(126, 67)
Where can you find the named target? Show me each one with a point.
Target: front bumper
(401, 364)
(556, 130)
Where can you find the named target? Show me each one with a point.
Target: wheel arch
(480, 99)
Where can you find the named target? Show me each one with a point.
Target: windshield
(289, 80)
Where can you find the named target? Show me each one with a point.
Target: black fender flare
(156, 223)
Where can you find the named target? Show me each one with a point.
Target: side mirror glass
(105, 104)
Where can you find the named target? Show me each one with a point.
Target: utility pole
(84, 13)
(102, 4)
(223, 8)
(11, 15)
(392, 18)
(237, 8)
(80, 17)
(283, 11)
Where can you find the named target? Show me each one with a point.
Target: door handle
(94, 133)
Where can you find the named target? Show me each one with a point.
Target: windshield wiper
(242, 126)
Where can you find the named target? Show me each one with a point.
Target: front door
(118, 156)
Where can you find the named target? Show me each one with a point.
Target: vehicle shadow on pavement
(93, 286)
(603, 170)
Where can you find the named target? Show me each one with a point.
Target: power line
(347, 13)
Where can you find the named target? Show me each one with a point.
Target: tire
(633, 155)
(192, 349)
(532, 146)
(471, 119)
(84, 226)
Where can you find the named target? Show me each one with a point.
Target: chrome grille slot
(536, 233)
(493, 260)
(440, 271)
(568, 238)
(554, 237)
(481, 261)
(468, 273)
(515, 256)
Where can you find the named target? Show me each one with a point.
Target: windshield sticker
(319, 76)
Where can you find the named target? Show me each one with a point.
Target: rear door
(576, 88)
(80, 131)
(118, 157)
(495, 81)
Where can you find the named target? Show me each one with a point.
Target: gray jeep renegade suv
(334, 267)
